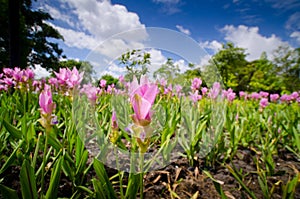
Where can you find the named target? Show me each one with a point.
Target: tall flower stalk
(47, 120)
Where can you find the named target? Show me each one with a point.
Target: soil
(180, 180)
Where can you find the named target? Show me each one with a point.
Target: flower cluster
(16, 78)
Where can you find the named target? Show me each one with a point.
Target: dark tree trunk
(14, 33)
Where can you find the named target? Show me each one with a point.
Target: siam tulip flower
(285, 98)
(163, 82)
(243, 94)
(195, 97)
(63, 75)
(142, 97)
(75, 78)
(215, 90)
(91, 92)
(115, 128)
(122, 80)
(102, 83)
(110, 88)
(17, 74)
(168, 89)
(46, 108)
(178, 89)
(255, 96)
(196, 83)
(274, 97)
(204, 90)
(294, 95)
(263, 94)
(8, 72)
(263, 103)
(53, 82)
(230, 96)
(8, 81)
(3, 87)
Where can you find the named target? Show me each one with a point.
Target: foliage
(25, 36)
(136, 63)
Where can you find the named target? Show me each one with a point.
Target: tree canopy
(24, 36)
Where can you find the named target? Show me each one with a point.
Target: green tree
(24, 36)
(287, 62)
(136, 63)
(109, 79)
(231, 65)
(168, 71)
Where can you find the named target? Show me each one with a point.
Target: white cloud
(40, 72)
(293, 22)
(250, 39)
(183, 30)
(296, 35)
(56, 14)
(98, 21)
(213, 46)
(284, 5)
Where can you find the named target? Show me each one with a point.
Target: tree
(136, 63)
(287, 62)
(24, 36)
(168, 70)
(109, 80)
(231, 65)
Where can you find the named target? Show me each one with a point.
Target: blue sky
(256, 25)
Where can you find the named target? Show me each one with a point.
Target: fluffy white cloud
(40, 72)
(296, 35)
(97, 21)
(183, 30)
(213, 46)
(250, 39)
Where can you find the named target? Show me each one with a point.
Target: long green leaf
(11, 158)
(54, 180)
(12, 130)
(8, 192)
(28, 182)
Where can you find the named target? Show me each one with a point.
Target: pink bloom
(45, 101)
(114, 121)
(294, 95)
(196, 83)
(204, 90)
(255, 96)
(75, 78)
(285, 98)
(91, 92)
(263, 102)
(195, 97)
(274, 97)
(163, 82)
(8, 71)
(63, 75)
(263, 94)
(7, 81)
(102, 83)
(53, 81)
(142, 98)
(215, 90)
(121, 79)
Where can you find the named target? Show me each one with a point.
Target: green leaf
(28, 182)
(11, 158)
(54, 180)
(12, 130)
(8, 193)
(102, 175)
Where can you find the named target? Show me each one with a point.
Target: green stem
(141, 175)
(44, 163)
(119, 173)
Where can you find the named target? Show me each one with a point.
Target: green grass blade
(28, 182)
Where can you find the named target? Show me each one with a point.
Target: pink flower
(196, 83)
(263, 94)
(63, 75)
(255, 96)
(204, 90)
(215, 90)
(274, 97)
(91, 92)
(195, 97)
(285, 98)
(75, 78)
(294, 95)
(114, 121)
(102, 83)
(263, 102)
(142, 98)
(45, 101)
